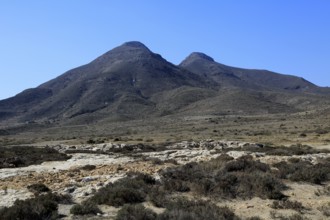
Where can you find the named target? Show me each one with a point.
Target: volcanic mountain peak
(198, 55)
(135, 44)
(131, 47)
(132, 50)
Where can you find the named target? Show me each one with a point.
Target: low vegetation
(132, 189)
(325, 209)
(304, 171)
(297, 149)
(86, 208)
(179, 209)
(324, 191)
(182, 208)
(278, 216)
(38, 208)
(38, 188)
(21, 156)
(88, 167)
(219, 178)
(135, 212)
(287, 204)
(225, 178)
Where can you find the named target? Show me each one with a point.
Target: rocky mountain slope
(132, 82)
(204, 65)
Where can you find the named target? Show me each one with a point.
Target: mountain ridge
(130, 81)
(200, 63)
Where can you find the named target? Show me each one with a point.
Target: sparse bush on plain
(254, 218)
(158, 196)
(21, 156)
(182, 208)
(176, 185)
(131, 189)
(287, 204)
(325, 191)
(97, 141)
(297, 149)
(38, 208)
(246, 164)
(276, 215)
(135, 212)
(304, 171)
(38, 188)
(155, 160)
(86, 208)
(225, 178)
(88, 167)
(134, 148)
(325, 209)
(294, 160)
(172, 161)
(116, 195)
(90, 141)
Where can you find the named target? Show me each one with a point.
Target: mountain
(121, 83)
(252, 91)
(131, 82)
(204, 65)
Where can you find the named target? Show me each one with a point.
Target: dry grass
(269, 128)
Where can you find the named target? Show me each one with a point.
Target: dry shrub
(88, 167)
(182, 209)
(287, 204)
(38, 208)
(135, 212)
(304, 171)
(86, 208)
(21, 156)
(131, 189)
(225, 178)
(38, 188)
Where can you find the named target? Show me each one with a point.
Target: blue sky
(40, 39)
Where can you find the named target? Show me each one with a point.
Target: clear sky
(41, 39)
